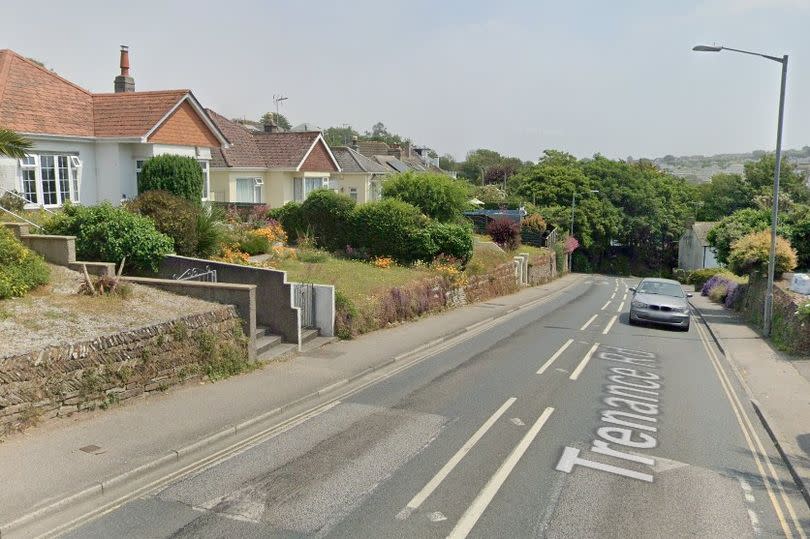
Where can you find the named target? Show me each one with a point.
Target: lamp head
(707, 48)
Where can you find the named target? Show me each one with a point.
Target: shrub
(311, 256)
(534, 223)
(700, 276)
(733, 227)
(452, 240)
(108, 234)
(387, 228)
(328, 216)
(21, 269)
(505, 233)
(736, 293)
(437, 195)
(181, 176)
(254, 244)
(751, 253)
(273, 231)
(718, 293)
(11, 201)
(559, 255)
(211, 231)
(291, 218)
(172, 215)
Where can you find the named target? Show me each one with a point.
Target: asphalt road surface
(563, 422)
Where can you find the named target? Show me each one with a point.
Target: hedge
(390, 228)
(108, 234)
(174, 216)
(181, 176)
(21, 269)
(328, 216)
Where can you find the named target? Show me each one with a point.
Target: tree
(380, 133)
(340, 136)
(759, 174)
(723, 195)
(13, 145)
(447, 162)
(476, 164)
(278, 118)
(437, 195)
(179, 175)
(733, 227)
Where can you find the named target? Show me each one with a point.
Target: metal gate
(304, 299)
(206, 275)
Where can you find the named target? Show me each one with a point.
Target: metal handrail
(20, 217)
(18, 195)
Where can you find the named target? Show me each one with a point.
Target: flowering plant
(382, 262)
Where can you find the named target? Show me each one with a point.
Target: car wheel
(685, 328)
(630, 319)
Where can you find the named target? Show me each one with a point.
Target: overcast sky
(614, 77)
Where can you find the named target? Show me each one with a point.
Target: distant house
(360, 177)
(694, 251)
(90, 147)
(400, 158)
(270, 166)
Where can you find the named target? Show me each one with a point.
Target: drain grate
(92, 449)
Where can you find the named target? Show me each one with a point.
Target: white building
(694, 251)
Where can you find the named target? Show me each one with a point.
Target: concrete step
(266, 342)
(279, 351)
(308, 334)
(316, 343)
(261, 331)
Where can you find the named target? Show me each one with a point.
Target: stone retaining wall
(789, 332)
(61, 380)
(542, 269)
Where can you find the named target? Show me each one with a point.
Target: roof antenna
(278, 98)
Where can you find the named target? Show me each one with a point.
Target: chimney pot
(123, 82)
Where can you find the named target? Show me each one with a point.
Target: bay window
(302, 187)
(249, 189)
(50, 179)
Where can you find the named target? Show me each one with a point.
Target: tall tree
(278, 118)
(339, 136)
(759, 174)
(13, 145)
(723, 195)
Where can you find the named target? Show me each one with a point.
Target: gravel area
(57, 314)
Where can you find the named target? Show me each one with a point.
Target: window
(249, 189)
(353, 193)
(302, 187)
(50, 180)
(138, 167)
(206, 186)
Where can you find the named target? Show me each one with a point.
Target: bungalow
(90, 147)
(360, 177)
(269, 166)
(694, 251)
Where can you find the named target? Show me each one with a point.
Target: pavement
(525, 416)
(67, 461)
(779, 385)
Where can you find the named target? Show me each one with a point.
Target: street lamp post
(768, 314)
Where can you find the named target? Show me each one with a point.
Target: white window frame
(257, 189)
(353, 193)
(206, 170)
(303, 186)
(73, 166)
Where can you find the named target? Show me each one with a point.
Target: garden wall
(542, 269)
(61, 380)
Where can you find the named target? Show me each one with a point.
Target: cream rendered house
(270, 167)
(360, 178)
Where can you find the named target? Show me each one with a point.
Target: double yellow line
(754, 442)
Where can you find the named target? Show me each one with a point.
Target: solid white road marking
(557, 354)
(605, 305)
(588, 323)
(428, 489)
(621, 307)
(585, 360)
(480, 503)
(610, 324)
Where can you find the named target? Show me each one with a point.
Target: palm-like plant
(13, 145)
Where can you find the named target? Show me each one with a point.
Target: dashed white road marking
(583, 363)
(588, 323)
(610, 324)
(480, 503)
(621, 306)
(605, 306)
(752, 516)
(428, 489)
(557, 354)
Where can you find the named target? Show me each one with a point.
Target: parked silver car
(660, 301)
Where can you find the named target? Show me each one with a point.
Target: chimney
(123, 82)
(354, 143)
(270, 126)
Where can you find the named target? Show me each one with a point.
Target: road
(563, 422)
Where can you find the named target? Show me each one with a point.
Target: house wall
(360, 181)
(223, 183)
(318, 160)
(691, 253)
(184, 126)
(278, 188)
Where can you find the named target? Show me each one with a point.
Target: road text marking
(480, 503)
(585, 360)
(557, 354)
(610, 324)
(588, 323)
(428, 489)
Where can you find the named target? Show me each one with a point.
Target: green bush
(172, 215)
(108, 234)
(254, 244)
(11, 201)
(327, 216)
(700, 276)
(20, 268)
(291, 218)
(751, 253)
(181, 176)
(385, 228)
(534, 223)
(452, 240)
(211, 231)
(438, 196)
(559, 255)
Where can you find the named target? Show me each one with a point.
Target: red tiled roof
(38, 101)
(243, 151)
(132, 113)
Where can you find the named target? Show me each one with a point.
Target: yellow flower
(382, 262)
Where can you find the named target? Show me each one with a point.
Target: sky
(616, 78)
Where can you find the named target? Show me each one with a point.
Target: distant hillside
(699, 168)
